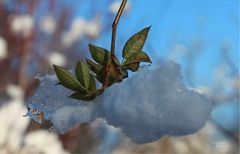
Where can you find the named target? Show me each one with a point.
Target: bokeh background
(201, 35)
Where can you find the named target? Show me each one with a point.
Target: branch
(114, 25)
(114, 28)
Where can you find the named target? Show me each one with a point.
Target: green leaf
(67, 79)
(138, 57)
(99, 54)
(92, 86)
(83, 74)
(135, 43)
(132, 66)
(96, 68)
(83, 97)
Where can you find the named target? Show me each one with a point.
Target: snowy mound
(152, 103)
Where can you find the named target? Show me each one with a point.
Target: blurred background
(201, 35)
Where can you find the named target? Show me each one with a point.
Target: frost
(152, 103)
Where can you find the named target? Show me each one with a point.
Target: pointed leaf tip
(135, 43)
(138, 57)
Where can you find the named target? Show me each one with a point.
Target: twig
(112, 56)
(114, 25)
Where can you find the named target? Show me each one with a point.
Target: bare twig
(114, 28)
(114, 25)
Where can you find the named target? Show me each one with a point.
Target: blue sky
(213, 22)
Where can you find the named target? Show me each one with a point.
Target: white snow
(14, 137)
(80, 28)
(22, 24)
(56, 58)
(3, 48)
(93, 27)
(113, 8)
(69, 115)
(48, 24)
(152, 103)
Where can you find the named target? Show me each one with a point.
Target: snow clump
(152, 103)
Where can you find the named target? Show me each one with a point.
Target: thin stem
(114, 28)
(114, 25)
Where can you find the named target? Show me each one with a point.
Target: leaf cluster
(104, 67)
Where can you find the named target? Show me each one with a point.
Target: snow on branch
(152, 103)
